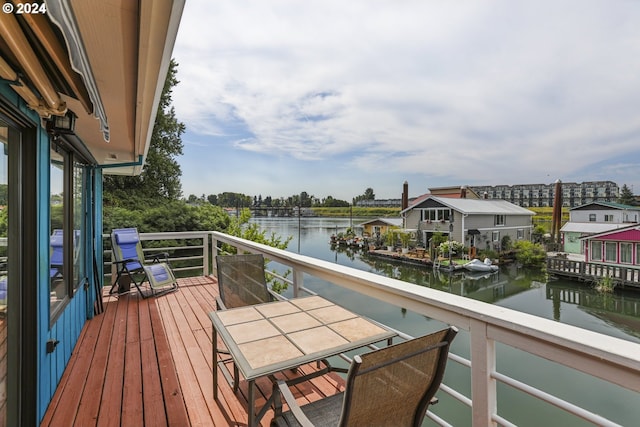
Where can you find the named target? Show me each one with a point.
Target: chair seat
(323, 412)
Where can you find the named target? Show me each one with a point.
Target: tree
(160, 177)
(626, 196)
(368, 195)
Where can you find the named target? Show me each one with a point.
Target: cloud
(464, 92)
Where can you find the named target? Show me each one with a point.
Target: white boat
(477, 265)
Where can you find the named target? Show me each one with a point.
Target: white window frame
(629, 247)
(499, 220)
(520, 234)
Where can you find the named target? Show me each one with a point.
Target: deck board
(148, 362)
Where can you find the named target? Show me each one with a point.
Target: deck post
(205, 254)
(298, 282)
(483, 386)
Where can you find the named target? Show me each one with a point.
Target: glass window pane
(596, 251)
(626, 250)
(610, 251)
(58, 287)
(78, 225)
(4, 276)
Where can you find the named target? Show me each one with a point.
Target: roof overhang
(106, 61)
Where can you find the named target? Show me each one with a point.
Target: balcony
(148, 362)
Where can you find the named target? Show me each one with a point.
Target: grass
(605, 284)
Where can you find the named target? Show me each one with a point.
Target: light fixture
(62, 124)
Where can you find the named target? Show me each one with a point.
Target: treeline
(304, 199)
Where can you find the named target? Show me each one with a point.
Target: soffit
(126, 46)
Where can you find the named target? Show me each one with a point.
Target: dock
(623, 277)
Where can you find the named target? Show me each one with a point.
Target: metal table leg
(214, 336)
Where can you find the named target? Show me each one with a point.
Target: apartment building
(541, 195)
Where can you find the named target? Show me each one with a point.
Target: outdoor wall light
(62, 124)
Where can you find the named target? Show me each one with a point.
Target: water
(525, 290)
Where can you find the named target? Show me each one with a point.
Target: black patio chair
(242, 282)
(392, 386)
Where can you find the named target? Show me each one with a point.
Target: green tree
(160, 177)
(626, 196)
(368, 195)
(240, 227)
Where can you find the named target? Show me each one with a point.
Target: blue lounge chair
(3, 295)
(130, 261)
(57, 254)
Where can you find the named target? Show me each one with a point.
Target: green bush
(529, 253)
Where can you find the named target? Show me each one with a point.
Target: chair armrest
(293, 405)
(219, 304)
(125, 261)
(162, 256)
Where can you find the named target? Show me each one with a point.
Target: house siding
(48, 367)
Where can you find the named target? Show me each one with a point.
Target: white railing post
(205, 254)
(483, 387)
(298, 282)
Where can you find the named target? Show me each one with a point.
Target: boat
(477, 265)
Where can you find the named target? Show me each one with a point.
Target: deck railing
(594, 271)
(607, 358)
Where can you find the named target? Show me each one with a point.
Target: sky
(333, 97)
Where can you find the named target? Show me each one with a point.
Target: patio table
(268, 338)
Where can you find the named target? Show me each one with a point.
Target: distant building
(379, 226)
(594, 218)
(477, 223)
(619, 247)
(541, 195)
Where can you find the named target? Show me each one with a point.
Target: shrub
(529, 253)
(453, 247)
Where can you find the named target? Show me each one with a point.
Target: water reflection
(620, 310)
(514, 287)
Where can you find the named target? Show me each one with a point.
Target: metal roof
(589, 227)
(479, 206)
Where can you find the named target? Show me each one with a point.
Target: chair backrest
(57, 248)
(394, 385)
(241, 280)
(126, 245)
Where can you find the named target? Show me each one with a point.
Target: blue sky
(331, 97)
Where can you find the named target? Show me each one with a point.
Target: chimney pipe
(405, 195)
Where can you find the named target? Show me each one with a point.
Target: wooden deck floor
(148, 362)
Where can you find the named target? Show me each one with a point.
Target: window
(626, 253)
(58, 277)
(637, 253)
(608, 218)
(67, 220)
(495, 236)
(79, 184)
(592, 217)
(596, 250)
(499, 220)
(434, 215)
(5, 136)
(610, 251)
(520, 234)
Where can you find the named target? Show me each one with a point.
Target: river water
(525, 290)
